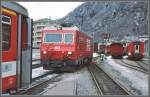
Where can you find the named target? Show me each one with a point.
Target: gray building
(38, 26)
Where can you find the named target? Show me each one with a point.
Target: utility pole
(93, 39)
(80, 22)
(49, 19)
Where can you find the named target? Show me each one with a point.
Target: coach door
(9, 44)
(137, 48)
(24, 51)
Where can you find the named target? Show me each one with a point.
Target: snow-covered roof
(62, 28)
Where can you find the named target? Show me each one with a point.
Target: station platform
(67, 86)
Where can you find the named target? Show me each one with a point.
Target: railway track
(96, 83)
(135, 67)
(39, 87)
(142, 64)
(105, 83)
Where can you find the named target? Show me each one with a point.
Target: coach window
(6, 30)
(68, 38)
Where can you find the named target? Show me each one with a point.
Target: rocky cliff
(116, 18)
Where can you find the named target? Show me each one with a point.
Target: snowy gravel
(95, 55)
(38, 71)
(82, 84)
(132, 79)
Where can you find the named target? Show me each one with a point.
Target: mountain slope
(116, 18)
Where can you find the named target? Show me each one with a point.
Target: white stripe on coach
(8, 68)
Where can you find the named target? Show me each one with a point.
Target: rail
(42, 75)
(110, 81)
(96, 83)
(141, 69)
(33, 88)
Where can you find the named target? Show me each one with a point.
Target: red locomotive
(16, 30)
(107, 51)
(116, 50)
(101, 48)
(65, 48)
(135, 50)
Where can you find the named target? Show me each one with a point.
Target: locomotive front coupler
(56, 64)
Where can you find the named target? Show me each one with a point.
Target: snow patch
(38, 71)
(135, 80)
(95, 54)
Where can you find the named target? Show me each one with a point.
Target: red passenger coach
(16, 46)
(116, 50)
(65, 48)
(135, 50)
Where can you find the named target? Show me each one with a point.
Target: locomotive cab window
(6, 31)
(68, 38)
(53, 38)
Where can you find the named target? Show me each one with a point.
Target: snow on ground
(78, 83)
(125, 57)
(145, 59)
(36, 62)
(35, 53)
(132, 79)
(38, 71)
(95, 55)
(36, 56)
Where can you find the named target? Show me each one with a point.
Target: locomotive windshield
(53, 38)
(68, 38)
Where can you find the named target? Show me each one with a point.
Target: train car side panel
(84, 48)
(9, 28)
(9, 45)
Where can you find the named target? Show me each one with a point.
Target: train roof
(136, 41)
(61, 28)
(65, 28)
(15, 7)
(119, 43)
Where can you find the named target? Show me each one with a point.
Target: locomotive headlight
(129, 53)
(69, 53)
(44, 52)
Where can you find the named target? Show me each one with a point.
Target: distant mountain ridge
(116, 18)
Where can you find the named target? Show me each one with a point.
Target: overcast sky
(54, 10)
